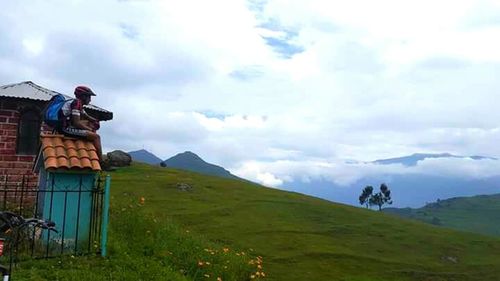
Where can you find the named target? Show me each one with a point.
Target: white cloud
(388, 79)
(229, 122)
(268, 179)
(342, 173)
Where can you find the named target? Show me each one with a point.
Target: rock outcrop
(116, 158)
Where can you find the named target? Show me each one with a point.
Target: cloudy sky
(272, 89)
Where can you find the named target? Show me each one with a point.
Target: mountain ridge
(412, 160)
(409, 189)
(190, 161)
(145, 156)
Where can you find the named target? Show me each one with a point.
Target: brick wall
(12, 164)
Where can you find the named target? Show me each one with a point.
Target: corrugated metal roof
(27, 90)
(32, 91)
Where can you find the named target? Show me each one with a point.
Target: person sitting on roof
(77, 123)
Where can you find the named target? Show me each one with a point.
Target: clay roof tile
(90, 146)
(85, 162)
(62, 162)
(95, 165)
(57, 142)
(71, 152)
(80, 145)
(74, 162)
(69, 144)
(82, 153)
(49, 152)
(47, 142)
(66, 152)
(51, 163)
(61, 152)
(93, 155)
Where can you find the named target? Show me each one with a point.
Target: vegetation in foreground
(287, 236)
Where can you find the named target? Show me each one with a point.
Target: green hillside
(479, 214)
(239, 227)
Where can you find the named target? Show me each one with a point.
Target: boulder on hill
(117, 158)
(184, 186)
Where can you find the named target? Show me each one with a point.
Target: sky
(274, 90)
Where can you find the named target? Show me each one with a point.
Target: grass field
(241, 229)
(479, 214)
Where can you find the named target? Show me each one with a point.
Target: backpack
(53, 115)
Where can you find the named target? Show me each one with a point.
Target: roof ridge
(38, 87)
(15, 84)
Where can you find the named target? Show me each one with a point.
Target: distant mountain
(192, 162)
(145, 157)
(414, 158)
(475, 214)
(408, 190)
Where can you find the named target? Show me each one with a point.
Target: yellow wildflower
(206, 275)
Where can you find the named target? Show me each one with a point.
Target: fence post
(105, 217)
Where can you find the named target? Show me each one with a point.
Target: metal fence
(76, 210)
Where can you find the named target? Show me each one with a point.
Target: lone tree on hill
(365, 196)
(378, 199)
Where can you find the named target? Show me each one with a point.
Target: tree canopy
(379, 199)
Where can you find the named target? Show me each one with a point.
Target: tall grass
(143, 247)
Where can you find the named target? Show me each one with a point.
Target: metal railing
(76, 210)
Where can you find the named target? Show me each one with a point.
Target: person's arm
(78, 123)
(88, 117)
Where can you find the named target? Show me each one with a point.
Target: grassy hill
(239, 227)
(475, 214)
